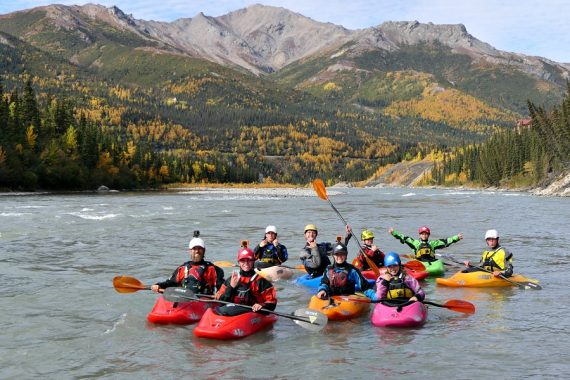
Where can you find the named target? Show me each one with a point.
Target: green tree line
(527, 155)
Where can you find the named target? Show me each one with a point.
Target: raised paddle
(229, 264)
(521, 284)
(311, 320)
(321, 191)
(459, 306)
(126, 284)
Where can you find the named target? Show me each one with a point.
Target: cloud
(530, 27)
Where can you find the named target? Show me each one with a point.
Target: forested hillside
(529, 155)
(90, 97)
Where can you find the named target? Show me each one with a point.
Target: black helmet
(339, 248)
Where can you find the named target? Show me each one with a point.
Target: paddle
(321, 191)
(413, 257)
(459, 306)
(229, 264)
(126, 284)
(415, 265)
(521, 284)
(311, 320)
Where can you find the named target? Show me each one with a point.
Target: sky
(531, 27)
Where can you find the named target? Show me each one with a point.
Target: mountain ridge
(264, 39)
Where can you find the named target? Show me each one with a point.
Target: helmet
(271, 229)
(367, 234)
(311, 227)
(424, 229)
(245, 253)
(491, 234)
(196, 242)
(392, 258)
(339, 248)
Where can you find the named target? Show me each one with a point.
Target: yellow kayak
(482, 280)
(341, 307)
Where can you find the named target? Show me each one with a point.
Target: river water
(61, 317)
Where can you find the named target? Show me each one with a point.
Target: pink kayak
(407, 315)
(178, 313)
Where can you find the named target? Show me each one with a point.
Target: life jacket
(243, 289)
(376, 256)
(323, 248)
(397, 289)
(192, 276)
(338, 280)
(425, 252)
(495, 259)
(269, 255)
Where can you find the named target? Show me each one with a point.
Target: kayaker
(246, 287)
(198, 275)
(270, 251)
(496, 259)
(396, 284)
(340, 278)
(424, 249)
(314, 256)
(370, 250)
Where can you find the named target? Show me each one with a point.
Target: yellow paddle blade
(320, 189)
(224, 264)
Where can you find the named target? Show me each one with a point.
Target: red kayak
(215, 326)
(178, 313)
(418, 275)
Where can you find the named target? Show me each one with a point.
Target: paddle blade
(528, 285)
(320, 189)
(312, 320)
(415, 265)
(126, 284)
(224, 264)
(179, 294)
(460, 306)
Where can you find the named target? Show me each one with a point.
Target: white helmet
(196, 242)
(271, 229)
(491, 234)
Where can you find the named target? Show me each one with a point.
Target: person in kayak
(314, 256)
(396, 284)
(341, 278)
(370, 250)
(246, 287)
(496, 259)
(198, 275)
(270, 251)
(424, 249)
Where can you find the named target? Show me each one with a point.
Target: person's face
(197, 253)
(339, 258)
(310, 235)
(245, 264)
(270, 236)
(492, 242)
(424, 236)
(369, 241)
(393, 269)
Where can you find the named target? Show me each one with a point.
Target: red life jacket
(192, 276)
(243, 289)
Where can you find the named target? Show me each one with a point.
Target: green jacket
(425, 249)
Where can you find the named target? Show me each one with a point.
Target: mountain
(272, 83)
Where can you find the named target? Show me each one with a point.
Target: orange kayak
(480, 280)
(341, 307)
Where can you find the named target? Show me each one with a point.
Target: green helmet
(367, 234)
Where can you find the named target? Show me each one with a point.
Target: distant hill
(269, 82)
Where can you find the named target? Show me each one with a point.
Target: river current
(61, 317)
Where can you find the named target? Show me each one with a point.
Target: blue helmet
(392, 258)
